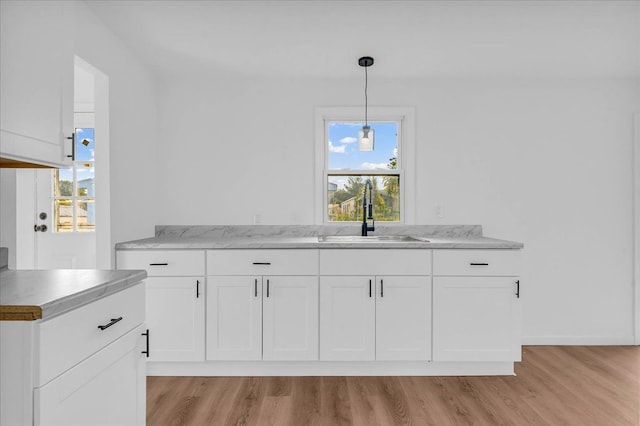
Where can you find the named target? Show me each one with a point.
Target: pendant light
(366, 134)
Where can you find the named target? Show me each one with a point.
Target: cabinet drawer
(160, 263)
(375, 262)
(262, 262)
(477, 262)
(69, 338)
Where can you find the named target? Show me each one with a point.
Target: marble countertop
(42, 294)
(311, 242)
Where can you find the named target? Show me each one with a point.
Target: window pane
(343, 151)
(63, 215)
(85, 144)
(86, 215)
(85, 173)
(63, 182)
(344, 197)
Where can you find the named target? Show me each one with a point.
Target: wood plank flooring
(555, 385)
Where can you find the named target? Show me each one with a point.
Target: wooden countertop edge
(20, 313)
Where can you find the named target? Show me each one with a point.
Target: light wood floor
(555, 385)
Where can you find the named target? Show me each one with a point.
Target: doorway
(63, 215)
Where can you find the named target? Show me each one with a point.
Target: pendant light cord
(366, 122)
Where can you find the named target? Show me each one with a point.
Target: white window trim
(407, 153)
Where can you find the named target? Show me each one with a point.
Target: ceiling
(408, 39)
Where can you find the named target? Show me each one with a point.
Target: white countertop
(311, 242)
(47, 293)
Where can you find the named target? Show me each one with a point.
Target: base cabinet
(383, 318)
(175, 318)
(476, 305)
(175, 301)
(107, 388)
(271, 318)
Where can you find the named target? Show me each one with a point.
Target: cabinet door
(175, 318)
(108, 388)
(234, 318)
(347, 318)
(476, 319)
(403, 318)
(290, 318)
(36, 78)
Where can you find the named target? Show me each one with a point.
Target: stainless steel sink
(369, 239)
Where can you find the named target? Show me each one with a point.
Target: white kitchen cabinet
(347, 318)
(375, 317)
(234, 318)
(36, 79)
(262, 316)
(175, 305)
(290, 318)
(83, 367)
(106, 388)
(476, 305)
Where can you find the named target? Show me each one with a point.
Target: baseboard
(578, 341)
(329, 368)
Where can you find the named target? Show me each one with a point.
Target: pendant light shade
(366, 134)
(365, 139)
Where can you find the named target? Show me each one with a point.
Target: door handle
(267, 288)
(147, 351)
(40, 228)
(381, 288)
(518, 289)
(197, 289)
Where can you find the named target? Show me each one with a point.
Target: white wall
(546, 162)
(133, 129)
(8, 213)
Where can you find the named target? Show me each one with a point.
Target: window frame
(405, 117)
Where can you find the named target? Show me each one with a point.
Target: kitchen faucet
(366, 228)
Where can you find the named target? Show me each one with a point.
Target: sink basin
(369, 239)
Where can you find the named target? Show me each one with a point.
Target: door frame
(636, 226)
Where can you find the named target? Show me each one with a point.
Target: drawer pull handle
(262, 263)
(158, 264)
(113, 321)
(478, 264)
(147, 351)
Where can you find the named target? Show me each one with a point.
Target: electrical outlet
(257, 219)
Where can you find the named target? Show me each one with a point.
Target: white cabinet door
(347, 318)
(234, 318)
(175, 318)
(403, 318)
(36, 79)
(476, 319)
(290, 318)
(108, 388)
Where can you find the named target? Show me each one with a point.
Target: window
(343, 170)
(74, 188)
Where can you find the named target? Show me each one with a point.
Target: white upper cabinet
(36, 75)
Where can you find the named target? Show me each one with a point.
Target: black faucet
(366, 228)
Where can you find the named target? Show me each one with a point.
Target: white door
(290, 318)
(175, 318)
(234, 318)
(347, 318)
(476, 319)
(56, 209)
(403, 318)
